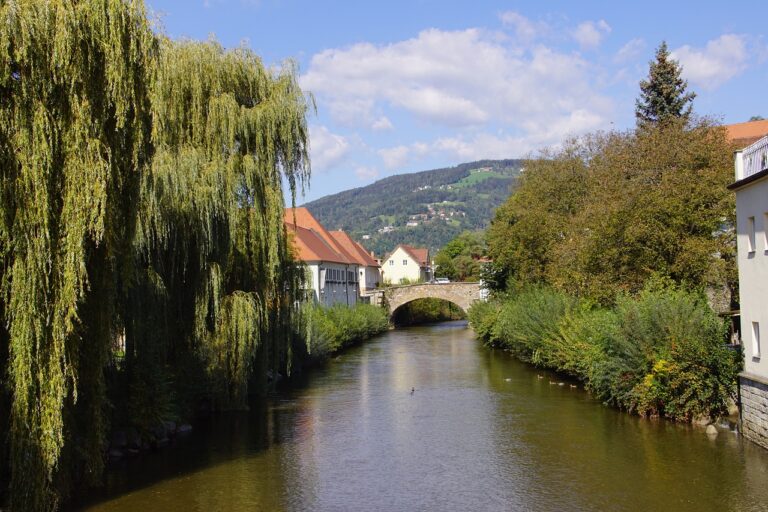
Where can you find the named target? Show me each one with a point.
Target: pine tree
(663, 95)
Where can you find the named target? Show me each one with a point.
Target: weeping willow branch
(140, 192)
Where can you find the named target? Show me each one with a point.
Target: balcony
(752, 160)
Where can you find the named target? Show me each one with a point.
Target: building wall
(369, 278)
(754, 409)
(340, 287)
(752, 245)
(394, 269)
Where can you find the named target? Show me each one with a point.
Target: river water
(481, 431)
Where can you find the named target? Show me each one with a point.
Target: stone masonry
(461, 294)
(754, 408)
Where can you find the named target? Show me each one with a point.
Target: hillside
(426, 208)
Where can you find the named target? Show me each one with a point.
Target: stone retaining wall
(754, 409)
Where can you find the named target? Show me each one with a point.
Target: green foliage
(427, 310)
(390, 201)
(660, 354)
(459, 259)
(140, 199)
(608, 212)
(334, 328)
(663, 95)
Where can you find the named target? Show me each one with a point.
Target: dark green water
(481, 432)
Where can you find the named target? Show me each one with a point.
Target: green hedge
(661, 353)
(331, 329)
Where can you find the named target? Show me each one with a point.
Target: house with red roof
(333, 266)
(406, 264)
(369, 270)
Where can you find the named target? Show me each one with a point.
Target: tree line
(609, 252)
(143, 259)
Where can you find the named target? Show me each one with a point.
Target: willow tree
(140, 197)
(74, 136)
(210, 235)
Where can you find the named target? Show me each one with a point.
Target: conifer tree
(663, 95)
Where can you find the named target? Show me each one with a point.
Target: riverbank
(660, 354)
(329, 330)
(332, 329)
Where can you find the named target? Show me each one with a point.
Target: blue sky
(403, 86)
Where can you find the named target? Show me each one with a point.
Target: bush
(661, 353)
(331, 329)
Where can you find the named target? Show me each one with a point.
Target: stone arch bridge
(461, 294)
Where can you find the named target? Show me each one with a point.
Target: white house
(751, 187)
(333, 272)
(406, 263)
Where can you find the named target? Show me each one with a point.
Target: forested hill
(426, 208)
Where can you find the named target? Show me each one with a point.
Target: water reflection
(481, 432)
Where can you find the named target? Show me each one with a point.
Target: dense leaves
(140, 203)
(609, 211)
(334, 328)
(659, 354)
(460, 259)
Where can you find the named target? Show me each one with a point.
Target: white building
(751, 187)
(333, 272)
(406, 263)
(369, 270)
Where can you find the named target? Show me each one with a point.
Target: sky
(403, 86)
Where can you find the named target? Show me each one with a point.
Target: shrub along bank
(659, 354)
(331, 329)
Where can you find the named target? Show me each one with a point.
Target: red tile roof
(310, 246)
(304, 221)
(419, 254)
(744, 134)
(357, 251)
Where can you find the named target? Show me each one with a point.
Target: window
(765, 231)
(756, 339)
(391, 262)
(405, 262)
(751, 234)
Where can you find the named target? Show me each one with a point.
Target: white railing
(756, 157)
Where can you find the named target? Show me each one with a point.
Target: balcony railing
(756, 157)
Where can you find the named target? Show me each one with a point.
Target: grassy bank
(659, 354)
(331, 329)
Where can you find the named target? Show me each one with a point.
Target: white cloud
(366, 173)
(463, 79)
(590, 34)
(382, 124)
(525, 29)
(630, 50)
(395, 157)
(719, 61)
(327, 149)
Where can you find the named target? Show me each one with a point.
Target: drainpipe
(346, 283)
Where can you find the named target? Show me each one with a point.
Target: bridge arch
(460, 294)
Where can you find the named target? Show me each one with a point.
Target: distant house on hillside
(406, 263)
(369, 270)
(333, 271)
(751, 187)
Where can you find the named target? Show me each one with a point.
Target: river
(480, 431)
